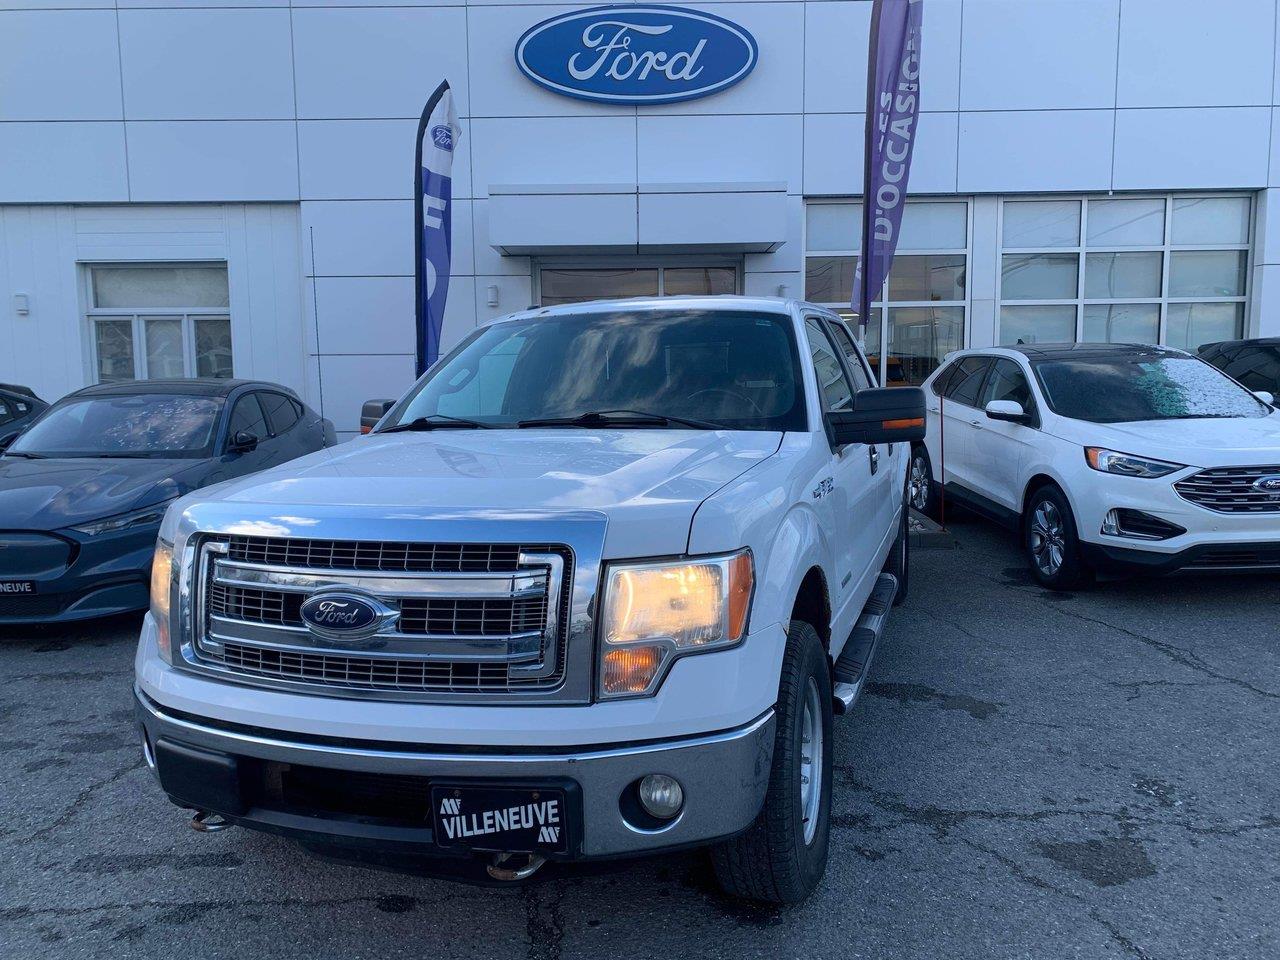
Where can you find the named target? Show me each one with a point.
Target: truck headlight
(656, 612)
(161, 591)
(1126, 464)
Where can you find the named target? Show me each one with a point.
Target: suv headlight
(161, 594)
(657, 612)
(1127, 465)
(147, 516)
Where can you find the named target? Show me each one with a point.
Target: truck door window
(4, 412)
(861, 379)
(965, 383)
(837, 394)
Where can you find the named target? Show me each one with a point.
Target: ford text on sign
(636, 54)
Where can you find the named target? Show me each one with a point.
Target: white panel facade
(278, 135)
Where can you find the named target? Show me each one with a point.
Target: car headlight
(147, 516)
(161, 594)
(656, 612)
(1127, 465)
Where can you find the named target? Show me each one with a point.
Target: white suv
(1115, 457)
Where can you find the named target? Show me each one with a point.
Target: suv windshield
(724, 368)
(136, 425)
(1127, 389)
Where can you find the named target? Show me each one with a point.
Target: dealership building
(221, 187)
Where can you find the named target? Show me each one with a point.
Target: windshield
(739, 371)
(1142, 388)
(137, 425)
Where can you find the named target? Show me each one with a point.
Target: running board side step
(852, 668)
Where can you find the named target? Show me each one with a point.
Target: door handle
(874, 456)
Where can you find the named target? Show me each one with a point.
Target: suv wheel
(921, 490)
(782, 856)
(1050, 540)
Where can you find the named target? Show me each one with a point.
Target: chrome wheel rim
(1048, 537)
(810, 761)
(919, 483)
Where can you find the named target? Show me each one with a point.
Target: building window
(919, 315)
(560, 285)
(159, 321)
(1166, 269)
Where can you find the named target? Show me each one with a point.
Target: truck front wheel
(783, 855)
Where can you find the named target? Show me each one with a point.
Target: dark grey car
(19, 406)
(84, 488)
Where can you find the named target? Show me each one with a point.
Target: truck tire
(1050, 541)
(899, 560)
(783, 854)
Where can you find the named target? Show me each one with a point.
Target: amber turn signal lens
(741, 578)
(630, 669)
(161, 578)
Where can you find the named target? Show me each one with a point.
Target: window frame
(1083, 248)
(819, 321)
(138, 316)
(624, 262)
(881, 305)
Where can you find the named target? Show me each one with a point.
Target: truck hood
(1236, 441)
(647, 483)
(53, 493)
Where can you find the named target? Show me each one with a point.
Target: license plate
(17, 588)
(502, 819)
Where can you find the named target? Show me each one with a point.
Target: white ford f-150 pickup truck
(594, 587)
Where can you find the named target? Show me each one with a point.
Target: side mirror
(372, 412)
(880, 415)
(243, 442)
(1009, 411)
(1266, 396)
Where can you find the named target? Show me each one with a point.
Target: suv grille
(1231, 490)
(472, 618)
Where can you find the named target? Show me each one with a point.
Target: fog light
(661, 796)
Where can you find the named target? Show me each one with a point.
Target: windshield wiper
(619, 418)
(434, 422)
(24, 455)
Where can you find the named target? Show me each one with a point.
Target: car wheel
(783, 854)
(922, 492)
(899, 560)
(1050, 540)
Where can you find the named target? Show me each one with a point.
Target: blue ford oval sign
(636, 54)
(342, 616)
(1269, 484)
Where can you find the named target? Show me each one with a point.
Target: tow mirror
(243, 442)
(372, 412)
(1266, 396)
(1010, 411)
(880, 415)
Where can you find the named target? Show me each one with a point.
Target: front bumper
(1237, 557)
(101, 576)
(217, 766)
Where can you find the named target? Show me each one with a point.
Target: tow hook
(206, 822)
(500, 872)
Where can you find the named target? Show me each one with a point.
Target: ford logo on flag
(344, 616)
(442, 137)
(636, 54)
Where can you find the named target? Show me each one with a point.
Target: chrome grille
(464, 618)
(1231, 490)
(437, 616)
(374, 555)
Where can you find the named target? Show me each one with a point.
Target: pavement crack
(81, 797)
(544, 920)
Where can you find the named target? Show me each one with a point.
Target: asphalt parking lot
(1030, 775)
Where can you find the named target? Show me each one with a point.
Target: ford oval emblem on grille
(1269, 484)
(343, 616)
